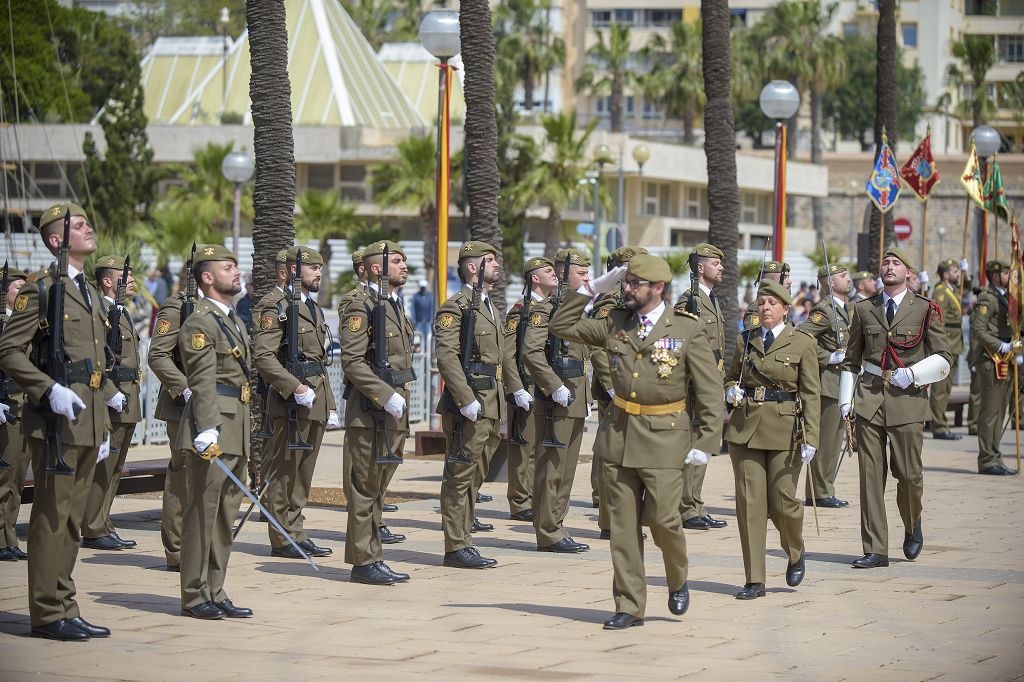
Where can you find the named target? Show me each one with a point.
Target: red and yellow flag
(970, 178)
(1015, 293)
(920, 172)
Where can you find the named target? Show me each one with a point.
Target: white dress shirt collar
(898, 298)
(655, 314)
(775, 332)
(226, 309)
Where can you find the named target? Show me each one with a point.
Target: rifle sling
(235, 350)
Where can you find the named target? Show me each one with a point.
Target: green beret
(214, 252)
(949, 262)
(863, 274)
(623, 254)
(535, 263)
(377, 248)
(836, 268)
(309, 256)
(575, 256)
(476, 249)
(357, 257)
(109, 263)
(650, 268)
(773, 288)
(773, 266)
(997, 266)
(56, 212)
(282, 256)
(15, 273)
(708, 251)
(902, 255)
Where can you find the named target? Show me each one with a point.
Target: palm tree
(176, 224)
(607, 72)
(323, 215)
(720, 150)
(675, 80)
(527, 39)
(880, 230)
(977, 54)
(204, 191)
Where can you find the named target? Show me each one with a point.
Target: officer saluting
(215, 423)
(897, 342)
(655, 352)
(12, 442)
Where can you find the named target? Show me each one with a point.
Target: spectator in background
(801, 314)
(244, 305)
(423, 310)
(157, 286)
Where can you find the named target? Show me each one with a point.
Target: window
(320, 176)
(651, 111)
(600, 18)
(48, 179)
(602, 106)
(695, 204)
(656, 199)
(758, 242)
(909, 31)
(1011, 48)
(353, 183)
(662, 17)
(980, 7)
(686, 239)
(755, 207)
(626, 17)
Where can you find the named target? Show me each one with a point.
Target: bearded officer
(898, 348)
(215, 423)
(656, 352)
(946, 295)
(12, 441)
(865, 285)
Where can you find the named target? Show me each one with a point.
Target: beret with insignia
(474, 249)
(15, 273)
(996, 266)
(282, 257)
(213, 252)
(708, 251)
(309, 256)
(357, 257)
(535, 263)
(949, 262)
(623, 254)
(575, 256)
(650, 268)
(770, 287)
(55, 213)
(377, 248)
(835, 269)
(773, 266)
(862, 274)
(902, 255)
(108, 263)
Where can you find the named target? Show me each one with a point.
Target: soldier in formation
(12, 443)
(946, 295)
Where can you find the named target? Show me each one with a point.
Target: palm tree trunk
(615, 101)
(720, 150)
(817, 203)
(326, 285)
(528, 84)
(688, 118)
(880, 228)
(553, 238)
(482, 180)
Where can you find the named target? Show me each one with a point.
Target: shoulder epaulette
(679, 310)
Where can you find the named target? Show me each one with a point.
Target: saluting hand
(606, 282)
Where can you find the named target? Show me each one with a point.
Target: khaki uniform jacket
(546, 378)
(947, 297)
(269, 351)
(489, 335)
(990, 322)
(884, 403)
(165, 362)
(510, 368)
(132, 412)
(821, 326)
(598, 355)
(84, 338)
(638, 375)
(207, 355)
(16, 396)
(357, 353)
(790, 364)
(714, 322)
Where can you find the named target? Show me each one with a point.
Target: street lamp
(225, 18)
(986, 142)
(779, 100)
(601, 155)
(237, 167)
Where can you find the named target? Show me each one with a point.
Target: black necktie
(394, 306)
(234, 321)
(769, 338)
(312, 308)
(890, 311)
(80, 279)
(714, 299)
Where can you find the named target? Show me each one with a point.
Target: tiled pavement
(956, 613)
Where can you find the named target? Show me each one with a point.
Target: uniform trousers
(366, 482)
(173, 507)
(553, 477)
(460, 482)
(97, 521)
(290, 475)
(903, 456)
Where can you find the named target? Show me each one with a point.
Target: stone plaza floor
(957, 613)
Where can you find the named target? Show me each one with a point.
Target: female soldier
(773, 383)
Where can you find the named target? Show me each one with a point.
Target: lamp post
(225, 17)
(987, 142)
(779, 100)
(237, 167)
(601, 156)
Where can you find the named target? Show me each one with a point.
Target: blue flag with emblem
(883, 187)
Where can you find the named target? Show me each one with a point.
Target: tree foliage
(149, 19)
(607, 72)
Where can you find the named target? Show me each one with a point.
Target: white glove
(902, 378)
(965, 267)
(695, 456)
(845, 409)
(923, 277)
(836, 357)
(186, 393)
(205, 439)
(104, 449)
(472, 411)
(64, 401)
(333, 422)
(306, 399)
(607, 281)
(561, 396)
(117, 401)
(1005, 347)
(523, 399)
(395, 406)
(3, 413)
(807, 453)
(1020, 359)
(611, 392)
(733, 395)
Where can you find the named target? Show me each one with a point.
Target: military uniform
(780, 387)
(59, 501)
(215, 353)
(891, 419)
(947, 297)
(649, 428)
(602, 390)
(290, 472)
(14, 452)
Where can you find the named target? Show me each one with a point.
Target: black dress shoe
(172, 568)
(389, 538)
(997, 470)
(713, 522)
(19, 553)
(6, 554)
(88, 628)
(479, 527)
(696, 523)
(205, 611)
(232, 611)
(621, 621)
(312, 549)
(946, 435)
(751, 591)
(286, 552)
(525, 515)
(870, 560)
(480, 497)
(679, 600)
(605, 535)
(826, 502)
(914, 542)
(105, 542)
(795, 572)
(371, 574)
(62, 630)
(127, 544)
(585, 547)
(467, 558)
(390, 507)
(564, 546)
(399, 577)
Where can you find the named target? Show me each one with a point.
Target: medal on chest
(664, 357)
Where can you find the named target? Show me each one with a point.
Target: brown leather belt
(636, 408)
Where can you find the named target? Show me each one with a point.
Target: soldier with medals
(98, 530)
(656, 353)
(58, 326)
(774, 385)
(13, 452)
(523, 444)
(829, 324)
(994, 349)
(898, 349)
(709, 273)
(469, 359)
(377, 359)
(865, 286)
(299, 399)
(214, 424)
(559, 370)
(946, 294)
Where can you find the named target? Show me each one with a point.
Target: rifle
(114, 345)
(295, 361)
(831, 299)
(5, 394)
(556, 351)
(382, 366)
(467, 347)
(744, 359)
(188, 305)
(519, 415)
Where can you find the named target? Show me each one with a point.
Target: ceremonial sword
(248, 512)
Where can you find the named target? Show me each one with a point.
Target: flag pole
(924, 234)
(963, 257)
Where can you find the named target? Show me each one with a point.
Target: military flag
(883, 187)
(995, 195)
(970, 178)
(1015, 292)
(920, 172)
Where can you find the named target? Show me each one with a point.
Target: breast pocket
(785, 370)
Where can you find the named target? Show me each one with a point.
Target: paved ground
(955, 613)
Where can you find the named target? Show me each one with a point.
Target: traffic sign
(902, 228)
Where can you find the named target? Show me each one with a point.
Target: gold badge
(511, 325)
(816, 317)
(983, 309)
(602, 313)
(163, 326)
(355, 323)
(199, 341)
(21, 303)
(266, 323)
(665, 360)
(535, 319)
(208, 251)
(755, 320)
(447, 320)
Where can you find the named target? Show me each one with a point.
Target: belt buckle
(887, 375)
(246, 393)
(759, 394)
(95, 380)
(236, 351)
